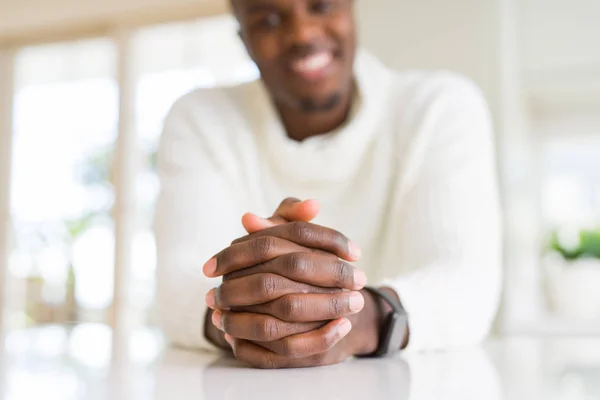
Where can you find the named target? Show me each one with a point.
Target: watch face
(398, 332)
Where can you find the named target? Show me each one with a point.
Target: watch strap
(388, 323)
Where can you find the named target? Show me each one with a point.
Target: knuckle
(297, 264)
(267, 331)
(268, 361)
(344, 274)
(268, 285)
(271, 329)
(291, 308)
(336, 306)
(301, 230)
(263, 246)
(289, 348)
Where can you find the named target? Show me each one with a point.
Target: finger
(310, 307)
(311, 343)
(259, 327)
(253, 223)
(258, 356)
(319, 269)
(257, 289)
(290, 209)
(312, 236)
(254, 251)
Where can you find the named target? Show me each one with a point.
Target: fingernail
(355, 251)
(344, 327)
(216, 319)
(360, 279)
(210, 268)
(210, 299)
(314, 204)
(229, 339)
(357, 302)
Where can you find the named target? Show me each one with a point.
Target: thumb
(289, 210)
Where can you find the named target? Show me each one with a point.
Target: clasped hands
(289, 296)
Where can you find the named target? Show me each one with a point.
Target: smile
(313, 66)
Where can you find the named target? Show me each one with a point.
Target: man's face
(304, 49)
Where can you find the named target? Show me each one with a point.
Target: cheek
(263, 49)
(344, 29)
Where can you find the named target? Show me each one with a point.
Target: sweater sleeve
(196, 216)
(446, 235)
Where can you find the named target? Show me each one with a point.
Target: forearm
(449, 304)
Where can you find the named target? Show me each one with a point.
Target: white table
(61, 363)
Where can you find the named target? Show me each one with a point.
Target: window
(571, 181)
(65, 120)
(66, 126)
(569, 150)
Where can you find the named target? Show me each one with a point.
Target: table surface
(84, 362)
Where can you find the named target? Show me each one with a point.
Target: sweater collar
(336, 155)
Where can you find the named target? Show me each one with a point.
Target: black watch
(394, 328)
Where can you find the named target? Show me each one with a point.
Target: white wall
(560, 35)
(560, 52)
(457, 35)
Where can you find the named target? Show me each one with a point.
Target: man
(401, 164)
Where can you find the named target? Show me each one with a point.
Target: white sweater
(410, 178)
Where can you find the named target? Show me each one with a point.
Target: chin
(321, 103)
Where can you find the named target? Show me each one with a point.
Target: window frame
(7, 73)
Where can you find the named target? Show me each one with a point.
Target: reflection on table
(86, 362)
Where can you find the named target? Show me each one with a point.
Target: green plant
(588, 245)
(95, 169)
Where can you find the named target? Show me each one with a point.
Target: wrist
(366, 326)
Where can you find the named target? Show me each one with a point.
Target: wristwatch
(394, 327)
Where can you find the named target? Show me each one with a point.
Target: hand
(268, 269)
(271, 326)
(326, 345)
(274, 242)
(333, 343)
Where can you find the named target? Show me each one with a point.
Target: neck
(301, 125)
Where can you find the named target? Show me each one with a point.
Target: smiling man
(401, 164)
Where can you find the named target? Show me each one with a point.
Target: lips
(314, 66)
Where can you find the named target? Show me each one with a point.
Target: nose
(303, 30)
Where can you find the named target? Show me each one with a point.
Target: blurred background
(85, 86)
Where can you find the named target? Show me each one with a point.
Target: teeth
(312, 63)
